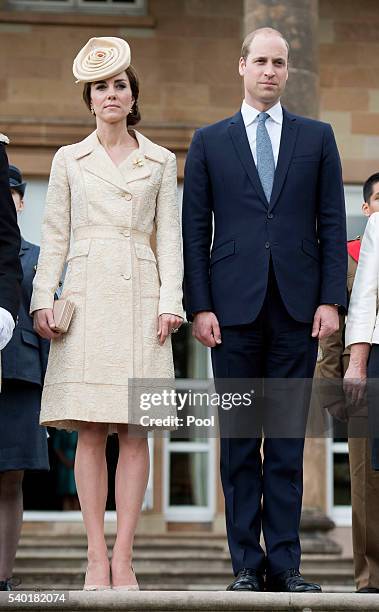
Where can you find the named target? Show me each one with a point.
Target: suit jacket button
(267, 245)
(270, 216)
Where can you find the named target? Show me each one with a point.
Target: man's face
(373, 204)
(17, 199)
(265, 71)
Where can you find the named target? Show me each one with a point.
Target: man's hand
(325, 321)
(43, 323)
(354, 382)
(206, 329)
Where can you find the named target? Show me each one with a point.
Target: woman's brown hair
(134, 116)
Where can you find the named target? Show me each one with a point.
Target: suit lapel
(24, 247)
(238, 135)
(287, 144)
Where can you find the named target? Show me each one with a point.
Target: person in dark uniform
(23, 442)
(10, 267)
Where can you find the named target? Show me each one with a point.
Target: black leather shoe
(5, 585)
(368, 590)
(291, 581)
(247, 580)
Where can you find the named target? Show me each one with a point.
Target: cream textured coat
(99, 218)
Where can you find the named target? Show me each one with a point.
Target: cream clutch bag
(63, 311)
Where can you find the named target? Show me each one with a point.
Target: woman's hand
(167, 324)
(43, 323)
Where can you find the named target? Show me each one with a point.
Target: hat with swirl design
(101, 58)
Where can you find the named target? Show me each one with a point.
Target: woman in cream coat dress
(105, 196)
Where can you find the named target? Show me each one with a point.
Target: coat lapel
(99, 164)
(238, 135)
(136, 167)
(287, 144)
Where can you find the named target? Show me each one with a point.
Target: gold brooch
(138, 162)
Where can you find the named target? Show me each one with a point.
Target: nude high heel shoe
(95, 587)
(127, 587)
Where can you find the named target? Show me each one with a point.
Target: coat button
(270, 216)
(127, 196)
(126, 233)
(267, 245)
(125, 276)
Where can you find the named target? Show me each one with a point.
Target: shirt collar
(249, 113)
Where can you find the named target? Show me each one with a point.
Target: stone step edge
(77, 556)
(170, 571)
(200, 601)
(194, 586)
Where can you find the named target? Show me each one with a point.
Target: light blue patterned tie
(265, 156)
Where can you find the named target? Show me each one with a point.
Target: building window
(130, 7)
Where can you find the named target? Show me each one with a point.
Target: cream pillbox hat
(101, 58)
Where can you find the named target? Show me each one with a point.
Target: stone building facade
(186, 53)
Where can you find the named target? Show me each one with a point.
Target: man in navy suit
(264, 290)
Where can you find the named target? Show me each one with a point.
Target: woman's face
(112, 98)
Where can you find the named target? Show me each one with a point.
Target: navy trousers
(264, 494)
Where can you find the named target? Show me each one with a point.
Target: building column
(297, 20)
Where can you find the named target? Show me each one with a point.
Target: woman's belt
(110, 231)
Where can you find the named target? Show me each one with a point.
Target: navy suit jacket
(25, 356)
(302, 229)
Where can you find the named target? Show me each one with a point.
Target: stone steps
(169, 561)
(172, 578)
(53, 555)
(198, 601)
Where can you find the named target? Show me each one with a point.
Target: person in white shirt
(362, 333)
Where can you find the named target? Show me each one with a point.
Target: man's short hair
(368, 187)
(250, 37)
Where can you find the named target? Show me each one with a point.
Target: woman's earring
(92, 110)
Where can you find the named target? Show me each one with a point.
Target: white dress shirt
(6, 327)
(362, 323)
(273, 124)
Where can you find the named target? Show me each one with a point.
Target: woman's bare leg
(131, 480)
(91, 478)
(11, 509)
